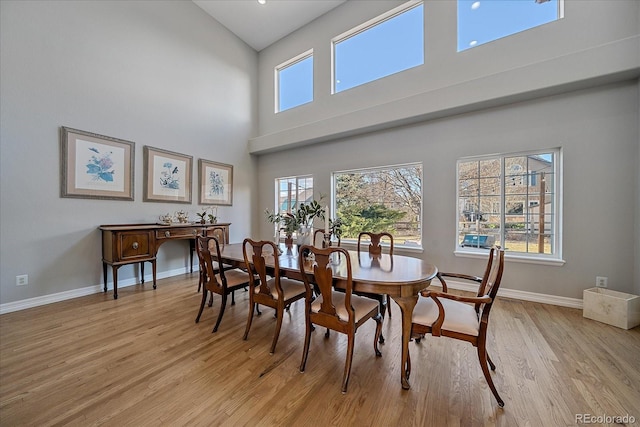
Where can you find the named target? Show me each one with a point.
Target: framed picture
(216, 183)
(95, 166)
(167, 176)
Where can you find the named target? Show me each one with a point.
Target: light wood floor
(141, 360)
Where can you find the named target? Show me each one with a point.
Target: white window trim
(276, 73)
(529, 258)
(364, 27)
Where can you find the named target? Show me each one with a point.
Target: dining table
(401, 277)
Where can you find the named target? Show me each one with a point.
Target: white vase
(304, 235)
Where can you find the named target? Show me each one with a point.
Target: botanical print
(169, 176)
(99, 166)
(216, 184)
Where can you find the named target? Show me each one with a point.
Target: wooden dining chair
(219, 233)
(222, 282)
(266, 285)
(461, 317)
(318, 238)
(375, 249)
(340, 311)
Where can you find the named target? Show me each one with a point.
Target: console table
(124, 244)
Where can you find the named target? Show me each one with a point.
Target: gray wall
(572, 83)
(158, 73)
(597, 129)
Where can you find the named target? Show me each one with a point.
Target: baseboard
(81, 292)
(521, 295)
(75, 293)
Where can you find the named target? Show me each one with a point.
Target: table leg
(153, 268)
(104, 274)
(142, 272)
(115, 282)
(406, 308)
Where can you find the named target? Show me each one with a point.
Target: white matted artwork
(216, 183)
(167, 176)
(96, 166)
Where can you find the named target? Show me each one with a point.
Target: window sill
(513, 257)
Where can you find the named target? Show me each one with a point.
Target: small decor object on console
(182, 217)
(166, 219)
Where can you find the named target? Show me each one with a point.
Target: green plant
(202, 215)
(335, 227)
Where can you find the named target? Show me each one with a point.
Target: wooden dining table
(398, 276)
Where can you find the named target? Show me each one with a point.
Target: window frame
(348, 242)
(363, 28)
(525, 257)
(291, 62)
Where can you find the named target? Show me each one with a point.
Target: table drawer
(176, 233)
(135, 245)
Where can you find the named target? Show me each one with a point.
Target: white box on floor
(611, 307)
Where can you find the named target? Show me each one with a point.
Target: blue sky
(398, 44)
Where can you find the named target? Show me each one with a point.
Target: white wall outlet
(601, 282)
(22, 280)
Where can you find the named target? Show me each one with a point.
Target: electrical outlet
(601, 282)
(22, 280)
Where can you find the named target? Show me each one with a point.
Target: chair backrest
(321, 266)
(491, 280)
(205, 258)
(255, 259)
(220, 233)
(321, 238)
(375, 248)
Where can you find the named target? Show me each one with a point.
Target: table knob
(167, 234)
(135, 245)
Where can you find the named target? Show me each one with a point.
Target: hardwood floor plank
(142, 360)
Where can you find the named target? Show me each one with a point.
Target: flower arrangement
(303, 216)
(210, 212)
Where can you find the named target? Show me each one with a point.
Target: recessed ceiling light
(475, 5)
(262, 1)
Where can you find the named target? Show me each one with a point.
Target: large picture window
(292, 191)
(483, 21)
(380, 199)
(510, 200)
(388, 44)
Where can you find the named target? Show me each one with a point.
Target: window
(388, 44)
(294, 82)
(293, 190)
(381, 199)
(512, 201)
(484, 21)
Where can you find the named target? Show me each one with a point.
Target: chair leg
(222, 307)
(204, 299)
(383, 308)
(233, 297)
(307, 342)
(253, 305)
(389, 306)
(211, 300)
(276, 334)
(347, 367)
(482, 356)
(378, 320)
(491, 364)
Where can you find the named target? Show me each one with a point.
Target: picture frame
(95, 166)
(216, 183)
(167, 176)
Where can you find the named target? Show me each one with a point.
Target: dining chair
(375, 249)
(343, 312)
(461, 317)
(320, 238)
(219, 233)
(221, 281)
(266, 285)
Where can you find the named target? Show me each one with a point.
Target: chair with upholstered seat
(341, 311)
(375, 249)
(461, 317)
(222, 282)
(266, 285)
(219, 232)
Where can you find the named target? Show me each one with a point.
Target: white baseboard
(75, 293)
(521, 295)
(94, 289)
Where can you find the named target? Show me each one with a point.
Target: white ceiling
(261, 25)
